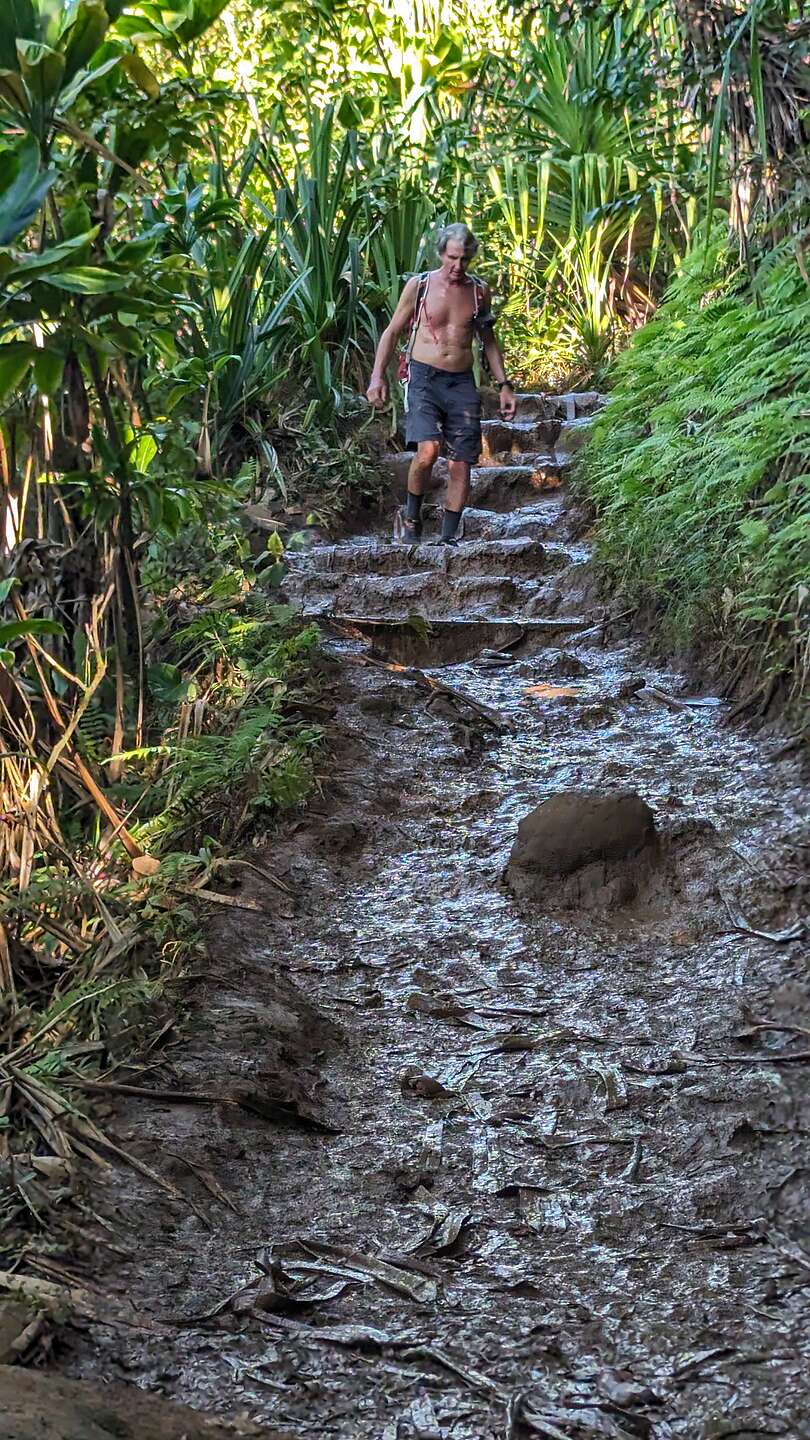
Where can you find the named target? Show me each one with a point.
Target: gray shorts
(444, 405)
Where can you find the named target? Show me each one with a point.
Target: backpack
(403, 369)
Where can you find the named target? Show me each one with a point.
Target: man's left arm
(495, 360)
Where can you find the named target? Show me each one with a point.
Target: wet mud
(511, 1168)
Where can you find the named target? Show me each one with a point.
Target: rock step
(533, 406)
(573, 435)
(536, 459)
(503, 437)
(504, 487)
(430, 594)
(543, 461)
(453, 641)
(397, 599)
(518, 555)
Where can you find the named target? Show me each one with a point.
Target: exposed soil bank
(541, 1170)
(38, 1407)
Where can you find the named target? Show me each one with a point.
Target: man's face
(454, 261)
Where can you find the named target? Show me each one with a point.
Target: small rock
(15, 1317)
(583, 847)
(631, 687)
(566, 665)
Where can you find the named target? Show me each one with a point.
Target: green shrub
(699, 468)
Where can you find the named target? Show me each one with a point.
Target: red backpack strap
(421, 296)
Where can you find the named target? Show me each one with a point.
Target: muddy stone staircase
(499, 584)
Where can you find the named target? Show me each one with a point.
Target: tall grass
(700, 470)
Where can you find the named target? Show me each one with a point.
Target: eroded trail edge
(494, 1167)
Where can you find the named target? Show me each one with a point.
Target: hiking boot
(453, 539)
(406, 532)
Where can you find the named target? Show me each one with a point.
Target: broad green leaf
(17, 629)
(13, 91)
(16, 358)
(166, 683)
(6, 587)
(83, 79)
(202, 14)
(139, 72)
(137, 249)
(53, 259)
(76, 220)
(49, 367)
(42, 69)
(137, 29)
(23, 187)
(85, 35)
(88, 280)
(143, 452)
(52, 16)
(18, 19)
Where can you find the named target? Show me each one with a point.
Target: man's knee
(427, 454)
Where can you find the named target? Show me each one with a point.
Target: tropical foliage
(700, 472)
(207, 211)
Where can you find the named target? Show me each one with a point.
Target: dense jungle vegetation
(207, 211)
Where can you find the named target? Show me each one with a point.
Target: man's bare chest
(449, 310)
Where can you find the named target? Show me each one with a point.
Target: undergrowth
(699, 469)
(92, 945)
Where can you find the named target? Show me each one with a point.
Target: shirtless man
(442, 400)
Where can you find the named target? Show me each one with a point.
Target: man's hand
(377, 393)
(508, 402)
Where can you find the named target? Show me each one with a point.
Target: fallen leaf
(553, 692)
(145, 865)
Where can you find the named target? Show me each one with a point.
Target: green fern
(698, 467)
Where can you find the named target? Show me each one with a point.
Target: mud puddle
(539, 1172)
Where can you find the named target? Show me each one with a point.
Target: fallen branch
(440, 687)
(739, 925)
(678, 706)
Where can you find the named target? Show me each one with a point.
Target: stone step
(397, 466)
(507, 437)
(539, 473)
(476, 555)
(454, 641)
(537, 459)
(504, 487)
(573, 435)
(547, 407)
(394, 598)
(507, 524)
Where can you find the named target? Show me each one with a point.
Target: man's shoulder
(412, 286)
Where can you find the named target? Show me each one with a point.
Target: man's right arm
(377, 392)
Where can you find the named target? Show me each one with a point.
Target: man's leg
(418, 478)
(458, 493)
(423, 461)
(463, 434)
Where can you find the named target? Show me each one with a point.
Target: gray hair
(462, 234)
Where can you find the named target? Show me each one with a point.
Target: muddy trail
(487, 1164)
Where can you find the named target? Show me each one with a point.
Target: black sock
(450, 524)
(413, 509)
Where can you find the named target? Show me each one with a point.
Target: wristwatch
(502, 383)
